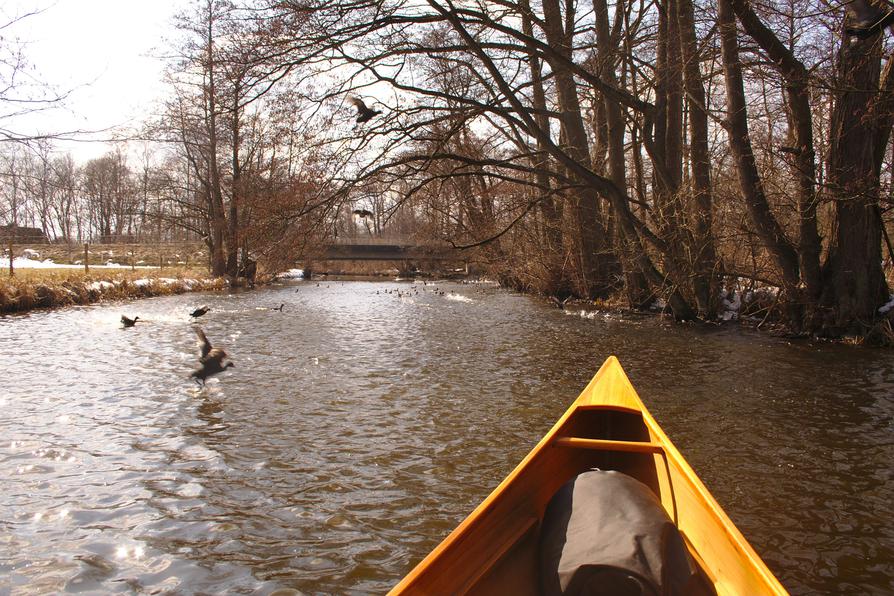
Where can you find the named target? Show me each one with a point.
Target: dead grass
(30, 289)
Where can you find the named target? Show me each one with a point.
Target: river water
(360, 426)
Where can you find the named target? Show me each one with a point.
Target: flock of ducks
(413, 290)
(211, 359)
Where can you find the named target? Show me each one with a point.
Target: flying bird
(199, 312)
(364, 113)
(865, 20)
(210, 360)
(128, 322)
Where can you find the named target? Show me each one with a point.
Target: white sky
(107, 51)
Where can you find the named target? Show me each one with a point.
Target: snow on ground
(23, 263)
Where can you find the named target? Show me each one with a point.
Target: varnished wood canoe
(494, 550)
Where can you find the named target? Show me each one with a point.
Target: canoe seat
(605, 533)
(609, 445)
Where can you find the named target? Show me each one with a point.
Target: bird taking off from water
(128, 322)
(364, 113)
(199, 312)
(210, 359)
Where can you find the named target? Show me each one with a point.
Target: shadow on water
(361, 425)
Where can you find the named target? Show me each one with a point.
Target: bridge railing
(390, 240)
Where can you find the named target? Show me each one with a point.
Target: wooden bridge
(389, 249)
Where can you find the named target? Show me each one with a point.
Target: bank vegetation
(33, 289)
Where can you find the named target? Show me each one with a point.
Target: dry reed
(30, 289)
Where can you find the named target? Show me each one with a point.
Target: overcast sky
(106, 51)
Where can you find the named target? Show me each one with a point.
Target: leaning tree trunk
(803, 169)
(750, 184)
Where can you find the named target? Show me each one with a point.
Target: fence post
(86, 257)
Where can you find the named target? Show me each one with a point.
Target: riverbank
(39, 288)
(758, 311)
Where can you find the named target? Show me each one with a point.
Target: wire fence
(141, 254)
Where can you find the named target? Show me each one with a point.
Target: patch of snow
(22, 263)
(730, 304)
(887, 306)
(291, 274)
(29, 253)
(585, 314)
(659, 304)
(100, 286)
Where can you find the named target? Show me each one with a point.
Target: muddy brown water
(359, 427)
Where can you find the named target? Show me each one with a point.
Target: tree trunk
(856, 282)
(636, 285)
(215, 196)
(591, 238)
(236, 190)
(554, 248)
(703, 254)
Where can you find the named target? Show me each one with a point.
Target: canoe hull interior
(495, 549)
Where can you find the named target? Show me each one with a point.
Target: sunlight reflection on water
(359, 426)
